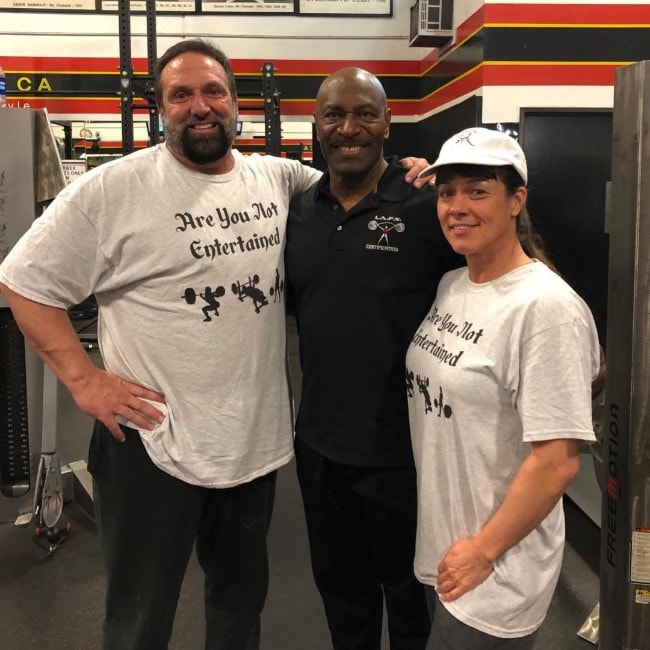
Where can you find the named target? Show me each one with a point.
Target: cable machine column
(625, 521)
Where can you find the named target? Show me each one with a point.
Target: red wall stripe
(89, 106)
(549, 74)
(465, 85)
(68, 105)
(568, 14)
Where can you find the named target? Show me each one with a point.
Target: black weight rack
(137, 91)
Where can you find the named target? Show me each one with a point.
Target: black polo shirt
(363, 282)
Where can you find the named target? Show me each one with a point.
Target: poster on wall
(162, 6)
(49, 5)
(247, 7)
(361, 8)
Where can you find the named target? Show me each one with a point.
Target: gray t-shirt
(494, 367)
(187, 269)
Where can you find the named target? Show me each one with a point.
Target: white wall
(503, 103)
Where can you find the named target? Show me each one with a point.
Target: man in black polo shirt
(364, 255)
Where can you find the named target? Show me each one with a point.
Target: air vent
(431, 23)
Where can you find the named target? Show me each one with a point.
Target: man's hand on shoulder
(415, 166)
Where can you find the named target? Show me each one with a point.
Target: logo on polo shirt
(385, 227)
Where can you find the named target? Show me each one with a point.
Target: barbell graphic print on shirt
(242, 290)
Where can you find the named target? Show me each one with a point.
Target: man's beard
(197, 149)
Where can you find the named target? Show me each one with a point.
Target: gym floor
(55, 602)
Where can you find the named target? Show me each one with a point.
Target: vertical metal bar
(271, 94)
(67, 138)
(625, 520)
(126, 75)
(151, 69)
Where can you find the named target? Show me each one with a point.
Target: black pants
(148, 523)
(361, 523)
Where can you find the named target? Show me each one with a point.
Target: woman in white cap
(501, 370)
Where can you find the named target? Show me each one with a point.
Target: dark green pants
(448, 633)
(148, 523)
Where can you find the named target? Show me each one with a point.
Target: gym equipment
(49, 481)
(624, 611)
(14, 432)
(19, 158)
(31, 167)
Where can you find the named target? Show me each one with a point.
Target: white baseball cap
(479, 146)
